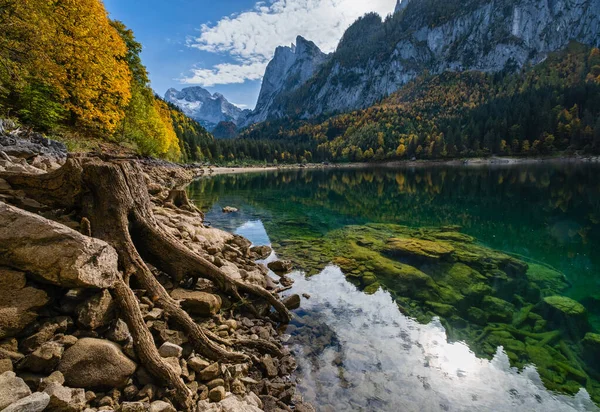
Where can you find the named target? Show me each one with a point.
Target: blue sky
(225, 45)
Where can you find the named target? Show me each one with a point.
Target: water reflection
(384, 361)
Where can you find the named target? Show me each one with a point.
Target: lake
(433, 288)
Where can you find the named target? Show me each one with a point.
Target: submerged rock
(418, 248)
(280, 266)
(229, 209)
(566, 314)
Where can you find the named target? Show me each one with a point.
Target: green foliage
(38, 106)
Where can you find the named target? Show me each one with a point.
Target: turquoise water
(357, 348)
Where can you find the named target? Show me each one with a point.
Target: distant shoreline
(471, 162)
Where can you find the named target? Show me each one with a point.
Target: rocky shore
(66, 342)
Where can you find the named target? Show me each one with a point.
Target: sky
(225, 45)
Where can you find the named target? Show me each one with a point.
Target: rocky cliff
(206, 108)
(290, 68)
(375, 57)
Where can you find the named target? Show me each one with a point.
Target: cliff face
(375, 58)
(290, 68)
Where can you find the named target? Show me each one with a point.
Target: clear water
(357, 351)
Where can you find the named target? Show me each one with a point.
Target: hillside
(552, 107)
(68, 70)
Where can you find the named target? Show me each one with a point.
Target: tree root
(112, 199)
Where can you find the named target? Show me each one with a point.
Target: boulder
(18, 303)
(418, 248)
(96, 363)
(36, 402)
(261, 252)
(198, 303)
(498, 310)
(591, 349)
(292, 302)
(12, 389)
(54, 252)
(566, 314)
(280, 266)
(97, 311)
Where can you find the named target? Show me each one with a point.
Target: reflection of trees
(541, 211)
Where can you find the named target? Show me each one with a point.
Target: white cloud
(252, 36)
(226, 73)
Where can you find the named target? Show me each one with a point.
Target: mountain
(290, 68)
(207, 109)
(375, 57)
(225, 130)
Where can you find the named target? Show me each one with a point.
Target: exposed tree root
(112, 199)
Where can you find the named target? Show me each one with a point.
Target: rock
(64, 399)
(133, 407)
(35, 402)
(170, 350)
(418, 248)
(197, 364)
(237, 387)
(46, 333)
(6, 365)
(566, 314)
(304, 407)
(498, 310)
(97, 311)
(269, 366)
(229, 209)
(18, 303)
(12, 389)
(215, 382)
(120, 332)
(161, 406)
(198, 303)
(96, 363)
(261, 252)
(280, 266)
(591, 349)
(209, 373)
(174, 364)
(292, 302)
(217, 394)
(53, 252)
(55, 377)
(44, 359)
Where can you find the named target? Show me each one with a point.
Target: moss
(498, 309)
(547, 279)
(477, 316)
(372, 288)
(566, 306)
(418, 248)
(442, 309)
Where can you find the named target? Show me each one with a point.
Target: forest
(551, 108)
(69, 71)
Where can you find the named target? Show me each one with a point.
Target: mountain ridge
(206, 108)
(376, 57)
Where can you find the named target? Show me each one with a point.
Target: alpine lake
(436, 288)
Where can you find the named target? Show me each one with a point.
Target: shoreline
(471, 162)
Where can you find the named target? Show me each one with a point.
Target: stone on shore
(64, 399)
(261, 252)
(18, 303)
(97, 311)
(12, 388)
(35, 402)
(170, 350)
(96, 363)
(292, 302)
(198, 303)
(54, 252)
